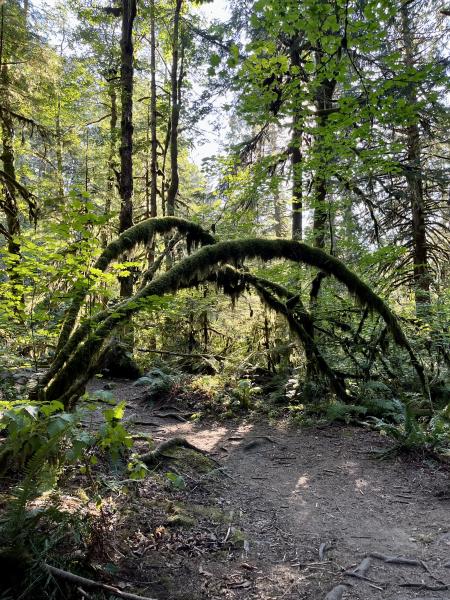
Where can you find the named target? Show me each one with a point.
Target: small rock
(109, 386)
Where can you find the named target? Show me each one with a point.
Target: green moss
(180, 520)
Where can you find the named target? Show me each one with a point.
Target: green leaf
(214, 60)
(176, 480)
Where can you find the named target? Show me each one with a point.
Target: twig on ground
(90, 583)
(424, 586)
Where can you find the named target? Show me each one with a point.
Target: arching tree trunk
(79, 358)
(142, 233)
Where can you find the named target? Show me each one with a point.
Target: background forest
(244, 203)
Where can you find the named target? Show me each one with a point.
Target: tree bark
(59, 152)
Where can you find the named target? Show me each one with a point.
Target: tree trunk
(9, 203)
(112, 164)
(414, 180)
(126, 127)
(154, 139)
(278, 214)
(175, 113)
(297, 177)
(297, 158)
(323, 104)
(59, 152)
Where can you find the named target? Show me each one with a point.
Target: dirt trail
(306, 505)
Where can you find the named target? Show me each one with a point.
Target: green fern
(339, 411)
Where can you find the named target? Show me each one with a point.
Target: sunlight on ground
(303, 482)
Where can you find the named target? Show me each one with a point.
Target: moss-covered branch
(143, 233)
(191, 271)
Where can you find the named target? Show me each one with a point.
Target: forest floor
(284, 513)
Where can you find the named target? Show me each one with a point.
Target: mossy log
(79, 357)
(142, 233)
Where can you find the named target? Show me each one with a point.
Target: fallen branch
(90, 583)
(425, 586)
(183, 354)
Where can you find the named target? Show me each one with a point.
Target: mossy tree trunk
(142, 233)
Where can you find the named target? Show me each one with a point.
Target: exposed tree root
(336, 593)
(361, 573)
(425, 586)
(90, 583)
(257, 441)
(397, 560)
(324, 546)
(363, 567)
(170, 415)
(155, 456)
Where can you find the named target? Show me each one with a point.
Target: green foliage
(245, 392)
(177, 481)
(412, 434)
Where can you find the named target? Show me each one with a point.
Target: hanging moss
(142, 233)
(193, 270)
(233, 282)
